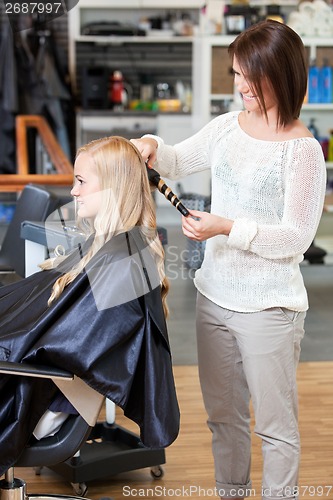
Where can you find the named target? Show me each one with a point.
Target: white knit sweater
(274, 192)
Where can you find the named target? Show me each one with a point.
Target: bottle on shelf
(274, 12)
(313, 83)
(313, 129)
(146, 89)
(326, 83)
(330, 147)
(116, 93)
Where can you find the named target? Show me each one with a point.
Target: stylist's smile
(248, 97)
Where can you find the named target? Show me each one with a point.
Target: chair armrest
(11, 368)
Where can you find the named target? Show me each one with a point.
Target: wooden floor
(188, 472)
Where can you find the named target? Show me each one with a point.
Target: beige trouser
(243, 355)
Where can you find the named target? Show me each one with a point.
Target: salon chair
(83, 449)
(35, 203)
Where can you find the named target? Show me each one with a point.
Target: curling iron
(155, 179)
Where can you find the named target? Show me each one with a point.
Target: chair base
(13, 489)
(16, 490)
(110, 450)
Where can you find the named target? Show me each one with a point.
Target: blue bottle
(326, 83)
(313, 129)
(313, 84)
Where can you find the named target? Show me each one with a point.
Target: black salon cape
(119, 348)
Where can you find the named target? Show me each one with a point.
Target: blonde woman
(100, 312)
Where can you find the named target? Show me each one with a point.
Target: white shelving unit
(97, 10)
(202, 95)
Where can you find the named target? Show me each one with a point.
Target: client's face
(86, 187)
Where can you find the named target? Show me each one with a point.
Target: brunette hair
(272, 51)
(126, 202)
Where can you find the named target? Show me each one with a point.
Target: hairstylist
(268, 184)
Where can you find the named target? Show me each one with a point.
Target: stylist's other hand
(201, 226)
(147, 147)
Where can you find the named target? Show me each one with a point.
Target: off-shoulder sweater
(273, 191)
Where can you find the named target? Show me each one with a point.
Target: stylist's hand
(200, 226)
(147, 147)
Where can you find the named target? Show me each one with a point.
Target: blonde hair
(126, 202)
